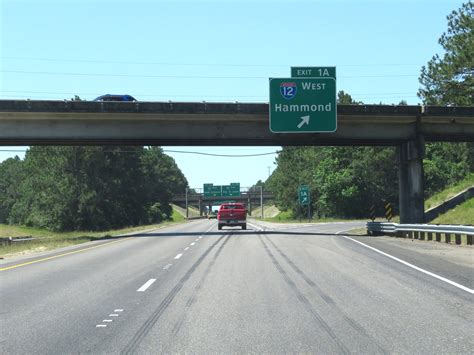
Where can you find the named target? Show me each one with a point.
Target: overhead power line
(197, 64)
(222, 155)
(170, 151)
(181, 95)
(207, 98)
(186, 76)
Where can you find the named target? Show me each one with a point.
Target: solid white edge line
(455, 284)
(255, 226)
(145, 286)
(178, 256)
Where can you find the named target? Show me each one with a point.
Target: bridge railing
(423, 231)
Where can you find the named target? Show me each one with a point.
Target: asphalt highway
(269, 289)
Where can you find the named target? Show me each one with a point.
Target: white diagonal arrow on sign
(304, 120)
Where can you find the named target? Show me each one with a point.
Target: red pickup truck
(232, 214)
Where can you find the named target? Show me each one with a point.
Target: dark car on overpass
(110, 97)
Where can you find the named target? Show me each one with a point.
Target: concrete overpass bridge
(201, 202)
(237, 124)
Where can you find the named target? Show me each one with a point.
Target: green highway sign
(303, 195)
(207, 189)
(234, 189)
(211, 190)
(231, 190)
(313, 72)
(303, 105)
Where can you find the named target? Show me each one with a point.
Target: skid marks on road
(304, 301)
(326, 298)
(192, 299)
(156, 315)
(308, 305)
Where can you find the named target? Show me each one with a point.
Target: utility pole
(187, 210)
(261, 200)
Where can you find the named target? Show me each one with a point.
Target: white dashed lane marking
(192, 243)
(145, 286)
(115, 314)
(186, 248)
(178, 256)
(166, 267)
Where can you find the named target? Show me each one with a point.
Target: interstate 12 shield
(288, 90)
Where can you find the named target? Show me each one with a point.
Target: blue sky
(212, 51)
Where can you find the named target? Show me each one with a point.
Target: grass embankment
(449, 192)
(192, 212)
(287, 217)
(45, 240)
(462, 214)
(268, 211)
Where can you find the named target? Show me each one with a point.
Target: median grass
(449, 192)
(43, 240)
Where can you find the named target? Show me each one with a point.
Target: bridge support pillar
(411, 181)
(200, 206)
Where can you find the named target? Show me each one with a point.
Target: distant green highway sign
(231, 190)
(303, 105)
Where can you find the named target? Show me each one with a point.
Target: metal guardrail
(9, 240)
(422, 231)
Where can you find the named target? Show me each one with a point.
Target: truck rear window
(233, 207)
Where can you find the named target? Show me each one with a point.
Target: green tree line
(347, 181)
(88, 188)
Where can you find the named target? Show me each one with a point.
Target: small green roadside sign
(303, 105)
(303, 195)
